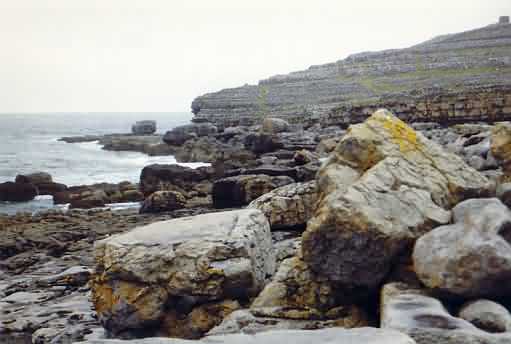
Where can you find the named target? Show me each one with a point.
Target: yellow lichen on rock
(400, 133)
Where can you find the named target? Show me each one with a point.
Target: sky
(158, 55)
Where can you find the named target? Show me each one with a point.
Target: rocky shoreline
(292, 228)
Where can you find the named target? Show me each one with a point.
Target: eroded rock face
(145, 276)
(365, 335)
(384, 186)
(288, 206)
(241, 190)
(472, 257)
(487, 315)
(425, 319)
(17, 192)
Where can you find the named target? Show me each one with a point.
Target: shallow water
(29, 143)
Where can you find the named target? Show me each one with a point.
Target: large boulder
(274, 125)
(289, 206)
(425, 319)
(186, 267)
(158, 177)
(147, 127)
(161, 201)
(240, 190)
(17, 192)
(364, 335)
(384, 186)
(472, 257)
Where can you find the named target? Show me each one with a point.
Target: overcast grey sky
(152, 55)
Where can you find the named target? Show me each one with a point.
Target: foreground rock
(327, 336)
(424, 318)
(472, 257)
(384, 186)
(181, 277)
(289, 206)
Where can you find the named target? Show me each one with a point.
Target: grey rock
(147, 127)
(381, 170)
(198, 259)
(487, 315)
(472, 257)
(504, 193)
(425, 319)
(326, 336)
(288, 206)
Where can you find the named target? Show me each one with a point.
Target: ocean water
(29, 143)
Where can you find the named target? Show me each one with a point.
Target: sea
(29, 143)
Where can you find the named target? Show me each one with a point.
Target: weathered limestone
(487, 315)
(288, 206)
(424, 318)
(146, 275)
(449, 79)
(365, 335)
(384, 186)
(472, 257)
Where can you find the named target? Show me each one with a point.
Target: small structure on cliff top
(504, 20)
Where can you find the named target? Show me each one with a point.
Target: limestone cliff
(456, 77)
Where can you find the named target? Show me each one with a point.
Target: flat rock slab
(175, 266)
(327, 336)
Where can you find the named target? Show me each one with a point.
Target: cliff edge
(451, 78)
